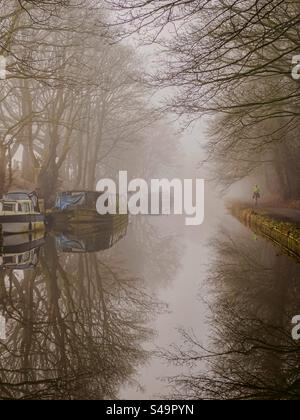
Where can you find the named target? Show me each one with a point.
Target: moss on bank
(284, 234)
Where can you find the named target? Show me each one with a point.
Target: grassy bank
(284, 234)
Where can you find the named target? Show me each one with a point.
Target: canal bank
(280, 226)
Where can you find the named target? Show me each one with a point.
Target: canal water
(132, 318)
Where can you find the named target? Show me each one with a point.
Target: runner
(256, 194)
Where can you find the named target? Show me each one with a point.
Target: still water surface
(94, 324)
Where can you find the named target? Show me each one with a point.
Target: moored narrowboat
(20, 213)
(78, 207)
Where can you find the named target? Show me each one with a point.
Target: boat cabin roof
(76, 199)
(19, 195)
(10, 201)
(75, 192)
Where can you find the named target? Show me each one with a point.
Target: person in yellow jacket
(256, 194)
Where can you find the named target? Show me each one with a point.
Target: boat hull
(12, 224)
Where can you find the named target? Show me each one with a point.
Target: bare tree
(232, 60)
(75, 328)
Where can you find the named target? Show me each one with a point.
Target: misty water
(98, 324)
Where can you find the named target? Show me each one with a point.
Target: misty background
(162, 89)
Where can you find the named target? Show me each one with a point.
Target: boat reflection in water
(90, 237)
(75, 327)
(21, 251)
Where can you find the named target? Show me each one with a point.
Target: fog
(144, 306)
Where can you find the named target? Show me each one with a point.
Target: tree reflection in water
(251, 353)
(157, 250)
(75, 327)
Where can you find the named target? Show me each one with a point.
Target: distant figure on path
(256, 194)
